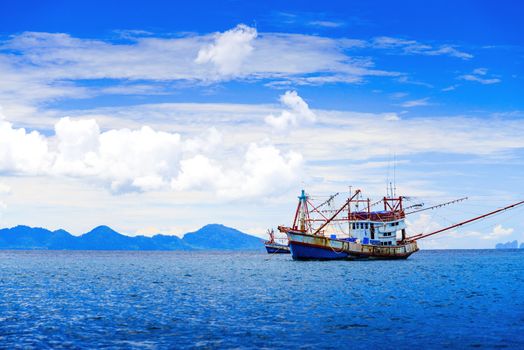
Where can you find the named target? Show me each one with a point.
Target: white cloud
(148, 158)
(334, 132)
(327, 24)
(480, 71)
(37, 67)
(397, 95)
(265, 171)
(22, 151)
(298, 112)
(391, 117)
(40, 67)
(498, 232)
(77, 139)
(406, 80)
(424, 223)
(450, 51)
(145, 160)
(450, 88)
(416, 103)
(229, 50)
(479, 76)
(197, 173)
(416, 48)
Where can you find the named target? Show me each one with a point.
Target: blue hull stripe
(307, 252)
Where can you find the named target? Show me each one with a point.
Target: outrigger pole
(420, 235)
(438, 205)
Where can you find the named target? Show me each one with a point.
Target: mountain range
(209, 237)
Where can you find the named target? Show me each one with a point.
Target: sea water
(160, 300)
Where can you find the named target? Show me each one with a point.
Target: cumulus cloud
(229, 50)
(22, 151)
(298, 111)
(335, 132)
(198, 173)
(77, 139)
(145, 159)
(265, 170)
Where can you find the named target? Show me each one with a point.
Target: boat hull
(310, 247)
(274, 248)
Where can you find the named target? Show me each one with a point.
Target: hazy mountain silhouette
(209, 237)
(508, 245)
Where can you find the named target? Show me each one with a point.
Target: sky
(161, 117)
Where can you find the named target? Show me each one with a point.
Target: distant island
(509, 245)
(209, 237)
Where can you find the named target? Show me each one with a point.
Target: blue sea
(177, 300)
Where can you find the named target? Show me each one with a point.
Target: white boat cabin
(376, 232)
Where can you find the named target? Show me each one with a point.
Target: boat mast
(420, 236)
(357, 192)
(302, 213)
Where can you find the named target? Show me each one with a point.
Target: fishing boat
(318, 234)
(274, 247)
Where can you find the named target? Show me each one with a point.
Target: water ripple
(163, 300)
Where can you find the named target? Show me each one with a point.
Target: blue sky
(162, 116)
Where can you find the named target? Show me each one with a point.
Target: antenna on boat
(349, 214)
(387, 177)
(394, 190)
(349, 191)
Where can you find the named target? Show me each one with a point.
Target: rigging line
(438, 205)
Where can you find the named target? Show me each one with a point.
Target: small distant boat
(351, 233)
(273, 247)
